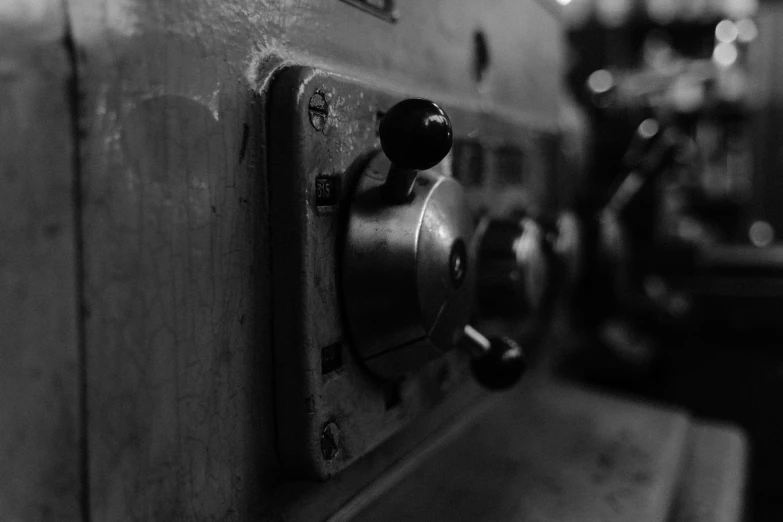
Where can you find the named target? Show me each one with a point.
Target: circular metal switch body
(406, 271)
(515, 276)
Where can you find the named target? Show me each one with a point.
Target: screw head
(319, 111)
(330, 441)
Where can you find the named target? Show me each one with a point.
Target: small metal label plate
(327, 190)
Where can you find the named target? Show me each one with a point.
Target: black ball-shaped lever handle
(497, 363)
(415, 134)
(501, 366)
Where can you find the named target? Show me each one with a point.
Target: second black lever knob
(497, 363)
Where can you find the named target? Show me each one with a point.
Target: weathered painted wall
(174, 221)
(40, 424)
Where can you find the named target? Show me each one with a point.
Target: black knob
(415, 134)
(497, 363)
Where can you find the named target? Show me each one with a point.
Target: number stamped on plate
(327, 191)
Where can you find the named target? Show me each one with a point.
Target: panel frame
(303, 145)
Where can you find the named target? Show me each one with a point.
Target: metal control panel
(323, 131)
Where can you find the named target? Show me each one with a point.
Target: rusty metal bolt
(330, 441)
(319, 111)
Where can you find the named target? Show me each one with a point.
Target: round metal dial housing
(406, 271)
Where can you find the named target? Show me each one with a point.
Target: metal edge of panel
(288, 261)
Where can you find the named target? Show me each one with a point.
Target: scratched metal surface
(175, 219)
(544, 453)
(39, 357)
(715, 475)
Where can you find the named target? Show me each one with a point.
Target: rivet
(330, 441)
(319, 111)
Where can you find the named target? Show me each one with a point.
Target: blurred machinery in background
(662, 207)
(681, 293)
(670, 93)
(661, 275)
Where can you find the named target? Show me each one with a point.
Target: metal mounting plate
(322, 129)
